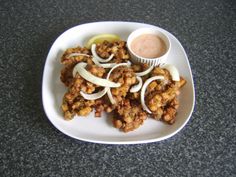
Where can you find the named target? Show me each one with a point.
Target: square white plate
(101, 130)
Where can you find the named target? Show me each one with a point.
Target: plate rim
(150, 140)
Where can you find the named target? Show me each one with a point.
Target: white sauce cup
(151, 61)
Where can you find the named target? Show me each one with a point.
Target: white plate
(100, 130)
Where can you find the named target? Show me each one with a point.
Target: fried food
(118, 48)
(128, 114)
(127, 78)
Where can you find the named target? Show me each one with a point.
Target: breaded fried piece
(126, 77)
(170, 111)
(73, 103)
(103, 104)
(78, 106)
(66, 74)
(118, 48)
(128, 116)
(66, 60)
(161, 97)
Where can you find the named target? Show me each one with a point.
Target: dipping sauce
(148, 46)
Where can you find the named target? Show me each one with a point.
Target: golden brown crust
(126, 77)
(128, 115)
(161, 97)
(118, 48)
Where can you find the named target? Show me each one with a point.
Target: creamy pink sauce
(148, 46)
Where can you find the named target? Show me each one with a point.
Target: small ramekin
(151, 61)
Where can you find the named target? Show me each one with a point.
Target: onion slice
(146, 83)
(116, 66)
(80, 68)
(138, 86)
(112, 100)
(143, 73)
(77, 54)
(109, 94)
(173, 71)
(93, 50)
(94, 96)
(106, 65)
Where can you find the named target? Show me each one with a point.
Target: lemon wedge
(100, 38)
